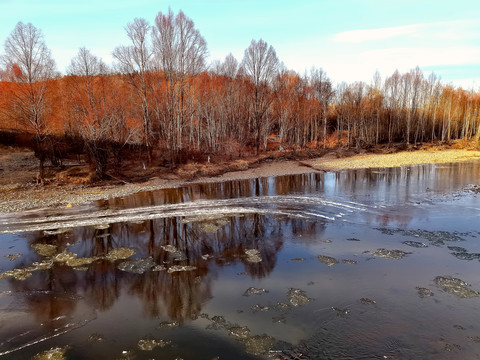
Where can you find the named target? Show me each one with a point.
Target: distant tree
(229, 67)
(30, 61)
(5, 74)
(260, 63)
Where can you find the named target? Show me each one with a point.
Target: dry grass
(404, 158)
(196, 170)
(75, 175)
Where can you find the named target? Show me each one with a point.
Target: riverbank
(23, 195)
(15, 197)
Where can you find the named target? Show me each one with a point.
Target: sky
(349, 39)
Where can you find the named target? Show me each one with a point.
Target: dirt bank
(71, 187)
(18, 167)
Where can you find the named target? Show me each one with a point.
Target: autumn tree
(96, 113)
(32, 66)
(289, 89)
(261, 65)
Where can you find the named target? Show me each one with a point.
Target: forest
(161, 102)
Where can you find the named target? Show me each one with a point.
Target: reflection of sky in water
(300, 216)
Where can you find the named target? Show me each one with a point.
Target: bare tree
(27, 53)
(86, 67)
(322, 91)
(135, 61)
(180, 52)
(5, 74)
(229, 67)
(261, 65)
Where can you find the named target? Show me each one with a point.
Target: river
(378, 263)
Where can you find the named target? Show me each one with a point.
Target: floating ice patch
(298, 297)
(56, 353)
(137, 266)
(119, 254)
(168, 324)
(46, 250)
(424, 292)
(456, 287)
(179, 268)
(390, 254)
(150, 344)
(254, 291)
(12, 257)
(253, 255)
(258, 307)
(415, 244)
(327, 260)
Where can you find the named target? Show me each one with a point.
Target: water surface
(261, 268)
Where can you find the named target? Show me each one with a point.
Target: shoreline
(17, 197)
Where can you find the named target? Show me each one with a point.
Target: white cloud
(357, 36)
(427, 56)
(446, 30)
(355, 55)
(361, 64)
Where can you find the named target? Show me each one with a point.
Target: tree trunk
(41, 170)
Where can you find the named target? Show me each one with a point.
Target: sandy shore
(404, 158)
(16, 197)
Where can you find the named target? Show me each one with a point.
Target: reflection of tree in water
(169, 241)
(45, 290)
(45, 295)
(101, 284)
(306, 231)
(300, 184)
(182, 294)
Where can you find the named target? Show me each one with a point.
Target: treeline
(161, 98)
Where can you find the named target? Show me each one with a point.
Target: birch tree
(322, 91)
(135, 60)
(180, 52)
(261, 64)
(28, 55)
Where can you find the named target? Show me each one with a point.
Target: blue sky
(349, 39)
